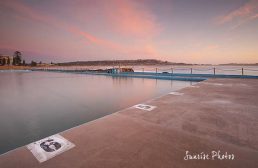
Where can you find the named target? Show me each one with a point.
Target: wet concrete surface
(216, 115)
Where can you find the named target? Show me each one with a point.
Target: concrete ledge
(153, 75)
(131, 75)
(199, 75)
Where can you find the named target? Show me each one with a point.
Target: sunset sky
(190, 31)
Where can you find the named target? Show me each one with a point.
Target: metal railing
(172, 70)
(213, 70)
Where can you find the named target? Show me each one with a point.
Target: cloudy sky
(190, 31)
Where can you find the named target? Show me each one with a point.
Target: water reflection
(34, 105)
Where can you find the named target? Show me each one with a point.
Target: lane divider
(49, 147)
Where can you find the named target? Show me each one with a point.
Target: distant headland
(239, 64)
(122, 63)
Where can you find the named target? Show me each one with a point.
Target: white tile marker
(176, 93)
(215, 84)
(144, 107)
(193, 86)
(49, 147)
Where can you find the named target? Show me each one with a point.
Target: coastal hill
(141, 62)
(239, 64)
(121, 62)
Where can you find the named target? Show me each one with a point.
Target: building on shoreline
(6, 60)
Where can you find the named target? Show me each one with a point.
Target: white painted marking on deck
(218, 101)
(215, 84)
(193, 86)
(144, 107)
(176, 93)
(49, 147)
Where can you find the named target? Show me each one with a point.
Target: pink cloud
(25, 11)
(95, 40)
(254, 16)
(212, 47)
(244, 12)
(130, 18)
(28, 13)
(242, 22)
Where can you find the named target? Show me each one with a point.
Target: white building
(6, 60)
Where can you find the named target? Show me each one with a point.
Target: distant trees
(8, 61)
(4, 61)
(17, 58)
(33, 63)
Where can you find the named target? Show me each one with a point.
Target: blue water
(34, 105)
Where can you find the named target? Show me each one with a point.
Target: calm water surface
(34, 105)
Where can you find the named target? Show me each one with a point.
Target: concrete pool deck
(213, 115)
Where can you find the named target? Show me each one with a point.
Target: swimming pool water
(34, 105)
